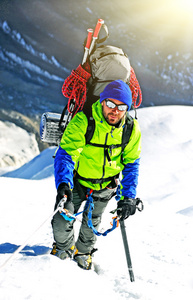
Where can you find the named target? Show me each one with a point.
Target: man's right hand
(63, 190)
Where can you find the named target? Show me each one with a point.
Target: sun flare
(183, 8)
(169, 19)
(186, 5)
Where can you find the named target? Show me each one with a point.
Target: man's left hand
(126, 207)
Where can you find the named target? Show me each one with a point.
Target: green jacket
(90, 161)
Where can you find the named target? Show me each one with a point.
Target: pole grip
(89, 38)
(98, 27)
(96, 33)
(87, 47)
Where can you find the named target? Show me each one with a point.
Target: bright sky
(182, 11)
(184, 6)
(172, 19)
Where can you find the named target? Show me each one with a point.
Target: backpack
(106, 63)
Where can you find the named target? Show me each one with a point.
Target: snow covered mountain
(160, 237)
(42, 41)
(17, 145)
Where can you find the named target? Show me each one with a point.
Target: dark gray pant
(63, 230)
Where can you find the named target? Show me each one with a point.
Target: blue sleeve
(63, 168)
(129, 181)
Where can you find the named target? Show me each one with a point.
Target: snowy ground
(17, 146)
(160, 238)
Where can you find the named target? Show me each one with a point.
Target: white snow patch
(160, 237)
(17, 145)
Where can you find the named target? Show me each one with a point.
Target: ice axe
(139, 207)
(127, 252)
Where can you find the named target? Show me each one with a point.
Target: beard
(112, 118)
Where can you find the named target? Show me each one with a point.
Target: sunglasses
(112, 105)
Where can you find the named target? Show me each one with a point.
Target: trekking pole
(72, 101)
(96, 33)
(87, 46)
(126, 246)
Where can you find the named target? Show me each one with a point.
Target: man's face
(113, 115)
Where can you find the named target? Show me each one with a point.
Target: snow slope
(17, 145)
(160, 238)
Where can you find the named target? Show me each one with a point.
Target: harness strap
(105, 146)
(71, 217)
(98, 181)
(114, 224)
(90, 206)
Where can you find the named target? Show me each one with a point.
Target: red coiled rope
(74, 87)
(135, 89)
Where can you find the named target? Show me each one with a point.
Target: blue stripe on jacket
(130, 179)
(63, 168)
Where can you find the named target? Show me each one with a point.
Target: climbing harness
(90, 207)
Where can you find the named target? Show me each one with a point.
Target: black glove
(63, 189)
(126, 207)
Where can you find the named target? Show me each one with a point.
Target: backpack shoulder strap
(91, 123)
(127, 130)
(90, 129)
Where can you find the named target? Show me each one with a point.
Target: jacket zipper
(113, 128)
(104, 156)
